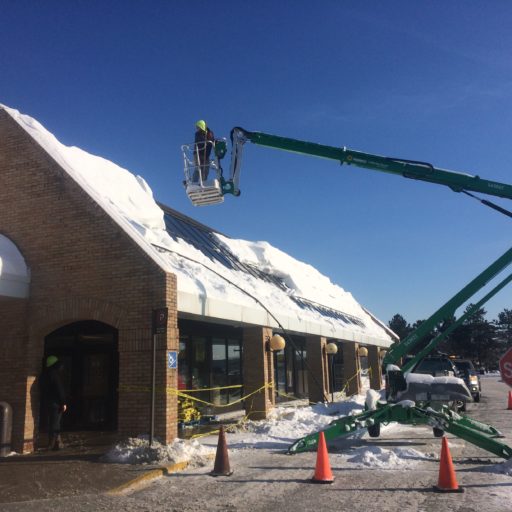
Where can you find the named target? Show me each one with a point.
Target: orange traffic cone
(323, 473)
(221, 466)
(447, 480)
(510, 400)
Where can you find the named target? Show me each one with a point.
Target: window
(210, 359)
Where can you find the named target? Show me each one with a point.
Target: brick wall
(258, 367)
(318, 372)
(83, 267)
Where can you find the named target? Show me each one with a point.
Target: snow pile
(286, 424)
(378, 457)
(129, 201)
(303, 279)
(137, 451)
(372, 398)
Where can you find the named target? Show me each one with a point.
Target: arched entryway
(88, 351)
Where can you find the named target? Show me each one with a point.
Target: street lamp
(331, 349)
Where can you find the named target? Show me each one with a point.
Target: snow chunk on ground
(137, 451)
(372, 397)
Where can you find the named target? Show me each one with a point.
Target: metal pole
(332, 378)
(153, 381)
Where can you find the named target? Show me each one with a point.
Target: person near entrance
(204, 142)
(53, 396)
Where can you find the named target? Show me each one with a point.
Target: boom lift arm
(444, 419)
(412, 169)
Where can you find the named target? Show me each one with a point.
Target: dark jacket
(52, 389)
(205, 141)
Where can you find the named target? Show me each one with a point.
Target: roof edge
(205, 307)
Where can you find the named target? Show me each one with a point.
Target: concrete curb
(147, 478)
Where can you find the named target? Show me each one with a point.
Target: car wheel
(374, 430)
(462, 406)
(438, 432)
(476, 397)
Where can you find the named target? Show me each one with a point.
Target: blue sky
(428, 81)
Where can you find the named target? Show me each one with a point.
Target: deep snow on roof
(217, 276)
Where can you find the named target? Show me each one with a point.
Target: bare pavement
(264, 479)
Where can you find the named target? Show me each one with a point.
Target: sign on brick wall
(160, 320)
(172, 359)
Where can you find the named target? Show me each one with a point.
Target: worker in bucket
(204, 142)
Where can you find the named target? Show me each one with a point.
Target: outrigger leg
(475, 432)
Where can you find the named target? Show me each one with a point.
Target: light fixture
(331, 349)
(275, 343)
(362, 352)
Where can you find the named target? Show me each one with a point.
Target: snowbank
(137, 451)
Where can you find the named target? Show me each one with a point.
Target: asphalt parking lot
(270, 479)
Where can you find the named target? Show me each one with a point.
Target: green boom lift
(409, 400)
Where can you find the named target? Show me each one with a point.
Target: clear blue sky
(428, 81)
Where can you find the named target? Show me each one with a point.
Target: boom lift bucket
(202, 188)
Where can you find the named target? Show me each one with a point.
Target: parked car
(437, 366)
(471, 377)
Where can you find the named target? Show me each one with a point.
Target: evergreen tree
(481, 342)
(398, 324)
(504, 329)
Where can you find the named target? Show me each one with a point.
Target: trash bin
(5, 429)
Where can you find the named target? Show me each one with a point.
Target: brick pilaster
(258, 370)
(375, 364)
(318, 375)
(351, 367)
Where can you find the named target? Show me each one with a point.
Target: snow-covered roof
(221, 278)
(14, 274)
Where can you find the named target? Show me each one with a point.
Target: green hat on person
(50, 361)
(201, 125)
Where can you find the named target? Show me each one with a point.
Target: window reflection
(210, 362)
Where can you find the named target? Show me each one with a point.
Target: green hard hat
(50, 361)
(201, 125)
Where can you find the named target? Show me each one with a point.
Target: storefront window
(280, 373)
(209, 362)
(338, 370)
(199, 367)
(183, 369)
(234, 370)
(219, 372)
(300, 371)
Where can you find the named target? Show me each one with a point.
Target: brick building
(84, 281)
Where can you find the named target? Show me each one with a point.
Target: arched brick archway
(49, 316)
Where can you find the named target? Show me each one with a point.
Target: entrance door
(88, 351)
